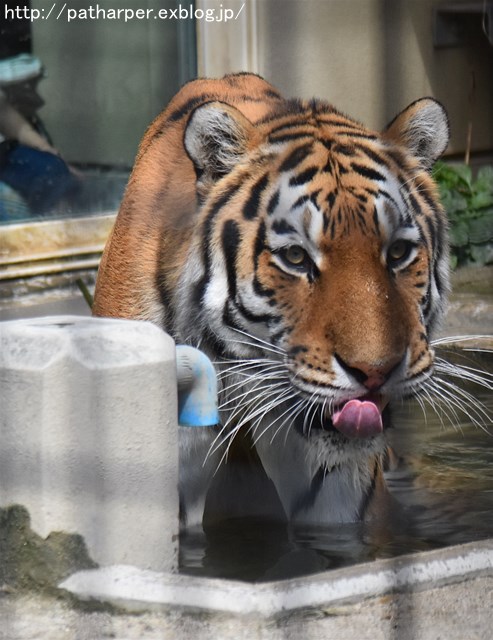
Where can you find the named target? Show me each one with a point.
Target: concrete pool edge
(136, 589)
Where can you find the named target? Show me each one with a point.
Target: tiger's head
(319, 263)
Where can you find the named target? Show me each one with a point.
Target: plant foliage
(469, 205)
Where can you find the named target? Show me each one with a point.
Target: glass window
(79, 83)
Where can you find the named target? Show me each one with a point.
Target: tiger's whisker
(471, 404)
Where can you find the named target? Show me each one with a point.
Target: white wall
(370, 58)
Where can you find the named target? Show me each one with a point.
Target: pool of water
(442, 486)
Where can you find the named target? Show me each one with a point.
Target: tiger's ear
(423, 128)
(216, 138)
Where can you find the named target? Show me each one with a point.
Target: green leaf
(465, 174)
(459, 234)
(445, 175)
(481, 229)
(481, 199)
(484, 181)
(453, 202)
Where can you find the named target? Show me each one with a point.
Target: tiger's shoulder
(161, 195)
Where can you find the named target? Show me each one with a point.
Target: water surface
(443, 491)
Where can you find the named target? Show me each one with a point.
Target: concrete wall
(370, 58)
(88, 434)
(373, 57)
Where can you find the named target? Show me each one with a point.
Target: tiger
(307, 256)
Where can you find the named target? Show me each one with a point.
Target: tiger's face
(320, 261)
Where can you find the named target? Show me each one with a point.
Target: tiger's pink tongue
(358, 419)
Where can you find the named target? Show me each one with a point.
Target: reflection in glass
(75, 98)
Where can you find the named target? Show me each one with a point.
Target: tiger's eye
(295, 255)
(399, 250)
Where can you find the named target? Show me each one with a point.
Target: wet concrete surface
(455, 612)
(471, 303)
(70, 305)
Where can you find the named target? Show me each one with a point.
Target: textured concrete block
(88, 434)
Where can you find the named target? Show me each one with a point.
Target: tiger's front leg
(199, 458)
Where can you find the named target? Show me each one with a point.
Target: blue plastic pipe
(197, 388)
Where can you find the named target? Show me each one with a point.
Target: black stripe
(329, 166)
(262, 291)
(259, 244)
(351, 134)
(259, 247)
(296, 157)
(430, 225)
(427, 197)
(165, 295)
(299, 348)
(331, 198)
(362, 220)
(332, 229)
(344, 149)
(230, 242)
(366, 172)
(413, 202)
(287, 125)
(303, 177)
(438, 278)
(188, 106)
(276, 337)
(288, 137)
(399, 159)
(328, 144)
(372, 155)
(375, 220)
(326, 219)
(336, 121)
(208, 227)
(282, 227)
(314, 196)
(361, 197)
(301, 200)
(273, 202)
(230, 319)
(385, 194)
(251, 208)
(342, 169)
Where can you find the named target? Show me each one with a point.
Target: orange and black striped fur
(307, 256)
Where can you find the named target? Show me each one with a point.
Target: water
(443, 492)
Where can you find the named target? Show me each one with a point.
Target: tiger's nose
(373, 377)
